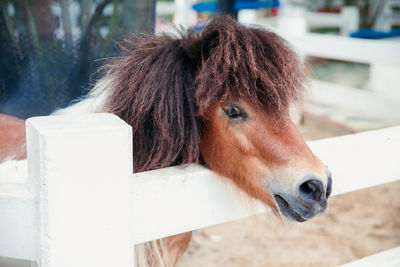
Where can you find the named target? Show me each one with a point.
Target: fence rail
(348, 49)
(82, 206)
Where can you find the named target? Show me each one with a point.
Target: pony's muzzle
(313, 197)
(309, 200)
(313, 191)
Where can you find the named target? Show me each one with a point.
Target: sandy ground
(357, 224)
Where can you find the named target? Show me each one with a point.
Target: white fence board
(17, 212)
(17, 222)
(361, 160)
(346, 98)
(348, 49)
(184, 199)
(163, 202)
(193, 198)
(387, 258)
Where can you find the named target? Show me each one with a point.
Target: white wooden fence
(82, 206)
(383, 56)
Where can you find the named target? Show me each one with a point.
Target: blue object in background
(256, 4)
(372, 34)
(211, 6)
(205, 7)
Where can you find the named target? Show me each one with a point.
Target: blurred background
(50, 51)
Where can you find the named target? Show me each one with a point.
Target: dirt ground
(357, 224)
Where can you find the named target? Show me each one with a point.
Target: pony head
(221, 98)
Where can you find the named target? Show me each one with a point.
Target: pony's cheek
(213, 152)
(216, 151)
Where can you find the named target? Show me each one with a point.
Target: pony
(220, 98)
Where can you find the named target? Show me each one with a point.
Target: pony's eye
(234, 112)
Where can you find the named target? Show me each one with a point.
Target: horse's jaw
(286, 211)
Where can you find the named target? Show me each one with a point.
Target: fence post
(384, 78)
(351, 20)
(79, 168)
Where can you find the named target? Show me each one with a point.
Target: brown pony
(220, 98)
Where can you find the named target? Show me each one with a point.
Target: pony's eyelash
(234, 112)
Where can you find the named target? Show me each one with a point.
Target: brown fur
(12, 138)
(166, 86)
(248, 153)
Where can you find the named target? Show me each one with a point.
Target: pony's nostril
(312, 190)
(329, 187)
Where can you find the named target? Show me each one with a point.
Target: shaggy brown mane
(165, 86)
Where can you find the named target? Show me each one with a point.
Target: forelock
(251, 63)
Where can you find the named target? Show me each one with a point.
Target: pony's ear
(198, 49)
(209, 41)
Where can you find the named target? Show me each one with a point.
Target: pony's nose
(329, 187)
(312, 191)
